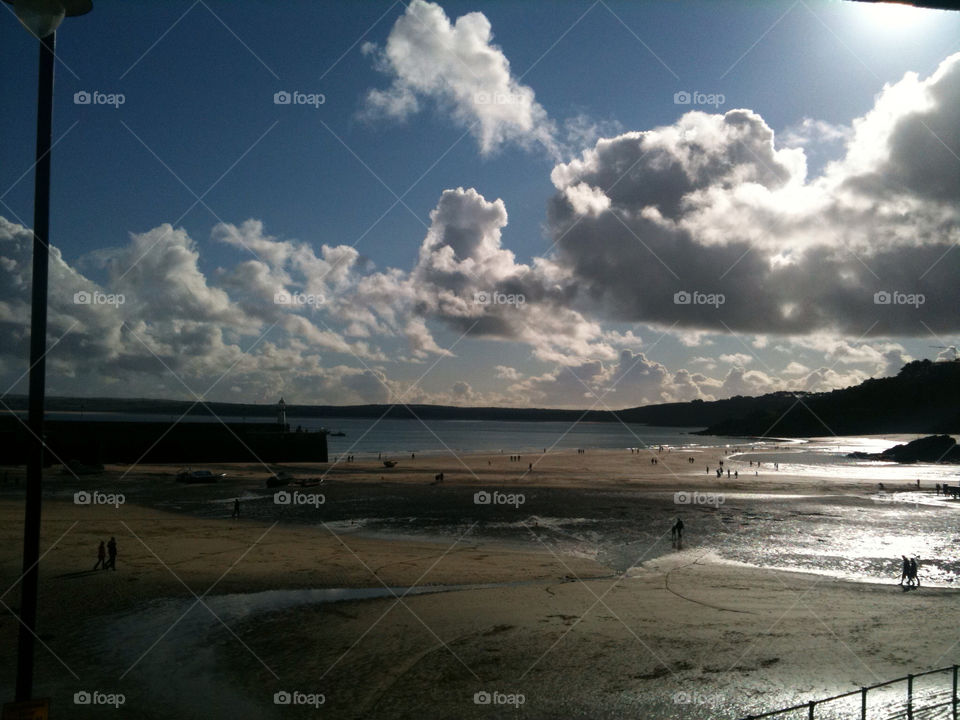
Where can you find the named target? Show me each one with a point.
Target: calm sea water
(369, 436)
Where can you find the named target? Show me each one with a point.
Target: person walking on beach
(905, 571)
(913, 572)
(112, 551)
(676, 532)
(236, 508)
(101, 557)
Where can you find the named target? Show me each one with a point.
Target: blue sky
(199, 119)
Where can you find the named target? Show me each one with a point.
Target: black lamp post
(41, 18)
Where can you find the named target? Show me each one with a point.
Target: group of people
(107, 555)
(909, 572)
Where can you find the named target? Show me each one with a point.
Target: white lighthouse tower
(282, 414)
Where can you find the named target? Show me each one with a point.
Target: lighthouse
(282, 414)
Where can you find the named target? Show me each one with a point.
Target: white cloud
(458, 68)
(713, 204)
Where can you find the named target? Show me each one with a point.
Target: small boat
(338, 433)
(389, 463)
(198, 476)
(309, 482)
(279, 479)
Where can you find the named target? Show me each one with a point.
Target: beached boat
(279, 479)
(308, 482)
(389, 463)
(198, 476)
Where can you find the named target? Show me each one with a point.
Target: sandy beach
(571, 603)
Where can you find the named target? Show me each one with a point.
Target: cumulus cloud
(457, 67)
(713, 204)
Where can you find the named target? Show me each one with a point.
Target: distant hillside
(923, 398)
(696, 414)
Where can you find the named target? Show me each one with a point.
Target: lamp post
(41, 18)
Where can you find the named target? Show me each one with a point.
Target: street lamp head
(43, 17)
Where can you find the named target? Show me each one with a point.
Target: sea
(370, 435)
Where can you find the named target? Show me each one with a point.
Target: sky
(552, 204)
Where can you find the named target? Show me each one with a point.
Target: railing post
(909, 697)
(813, 704)
(954, 698)
(863, 704)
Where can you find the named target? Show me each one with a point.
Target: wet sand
(578, 625)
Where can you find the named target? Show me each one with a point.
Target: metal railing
(893, 705)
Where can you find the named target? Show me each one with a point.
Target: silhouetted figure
(736, 473)
(938, 488)
(236, 508)
(413, 456)
(905, 571)
(676, 532)
(913, 572)
(530, 467)
(101, 557)
(112, 552)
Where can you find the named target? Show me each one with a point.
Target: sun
(891, 16)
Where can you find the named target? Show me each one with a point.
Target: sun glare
(889, 16)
